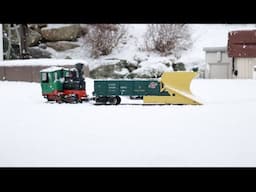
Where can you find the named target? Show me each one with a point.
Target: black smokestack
(79, 67)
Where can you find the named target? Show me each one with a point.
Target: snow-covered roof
(41, 62)
(51, 69)
(213, 49)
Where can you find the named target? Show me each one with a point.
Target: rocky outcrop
(120, 69)
(126, 69)
(36, 52)
(178, 67)
(65, 33)
(37, 27)
(33, 38)
(62, 45)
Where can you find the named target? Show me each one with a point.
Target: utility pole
(1, 43)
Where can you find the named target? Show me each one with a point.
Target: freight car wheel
(113, 100)
(118, 100)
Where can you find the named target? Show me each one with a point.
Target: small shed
(242, 48)
(218, 64)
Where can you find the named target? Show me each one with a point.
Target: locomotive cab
(63, 85)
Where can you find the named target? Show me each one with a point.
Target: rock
(149, 69)
(117, 69)
(149, 73)
(62, 45)
(107, 71)
(42, 25)
(37, 27)
(33, 38)
(65, 33)
(42, 46)
(37, 52)
(178, 67)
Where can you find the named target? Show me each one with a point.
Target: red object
(80, 93)
(242, 43)
(56, 95)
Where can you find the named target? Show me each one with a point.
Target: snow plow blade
(177, 84)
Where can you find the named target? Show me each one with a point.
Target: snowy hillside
(203, 35)
(219, 133)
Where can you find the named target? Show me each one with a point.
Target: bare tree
(167, 38)
(102, 38)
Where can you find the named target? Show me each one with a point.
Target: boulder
(107, 71)
(36, 27)
(33, 38)
(37, 52)
(62, 45)
(42, 46)
(178, 67)
(149, 69)
(64, 33)
(117, 69)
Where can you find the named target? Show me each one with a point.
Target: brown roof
(242, 43)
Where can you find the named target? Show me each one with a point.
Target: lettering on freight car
(112, 85)
(139, 90)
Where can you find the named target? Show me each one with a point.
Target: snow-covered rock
(63, 33)
(37, 52)
(62, 45)
(149, 69)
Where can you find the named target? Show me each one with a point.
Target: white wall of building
(218, 64)
(245, 67)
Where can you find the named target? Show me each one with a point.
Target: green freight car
(109, 92)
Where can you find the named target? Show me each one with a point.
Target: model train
(67, 85)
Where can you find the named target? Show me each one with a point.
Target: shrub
(102, 38)
(167, 38)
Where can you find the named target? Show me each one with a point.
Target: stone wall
(27, 73)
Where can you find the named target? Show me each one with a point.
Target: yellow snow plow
(177, 85)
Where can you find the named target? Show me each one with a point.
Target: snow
(202, 35)
(55, 26)
(219, 133)
(51, 69)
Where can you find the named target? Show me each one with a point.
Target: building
(237, 60)
(218, 64)
(242, 48)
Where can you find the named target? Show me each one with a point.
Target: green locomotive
(63, 85)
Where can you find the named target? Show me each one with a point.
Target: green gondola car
(109, 91)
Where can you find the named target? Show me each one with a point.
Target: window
(44, 77)
(55, 76)
(67, 74)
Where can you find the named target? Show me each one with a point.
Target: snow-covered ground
(219, 133)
